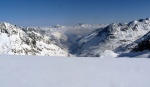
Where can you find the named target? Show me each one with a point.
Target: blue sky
(70, 12)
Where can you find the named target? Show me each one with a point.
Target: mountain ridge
(83, 40)
(113, 37)
(19, 41)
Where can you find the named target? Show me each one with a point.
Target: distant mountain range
(84, 40)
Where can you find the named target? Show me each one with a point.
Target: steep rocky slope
(16, 40)
(141, 44)
(114, 37)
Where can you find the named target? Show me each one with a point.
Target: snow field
(40, 71)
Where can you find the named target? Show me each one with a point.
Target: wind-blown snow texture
(33, 71)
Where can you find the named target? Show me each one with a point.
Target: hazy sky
(70, 12)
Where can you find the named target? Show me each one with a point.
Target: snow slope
(36, 71)
(20, 41)
(114, 37)
(67, 36)
(140, 47)
(80, 40)
(142, 43)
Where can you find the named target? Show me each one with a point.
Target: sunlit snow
(33, 71)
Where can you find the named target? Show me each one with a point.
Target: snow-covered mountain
(17, 40)
(114, 37)
(140, 44)
(82, 25)
(140, 47)
(57, 26)
(67, 36)
(143, 43)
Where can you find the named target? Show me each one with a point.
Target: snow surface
(39, 71)
(109, 54)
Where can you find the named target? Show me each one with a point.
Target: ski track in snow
(40, 71)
